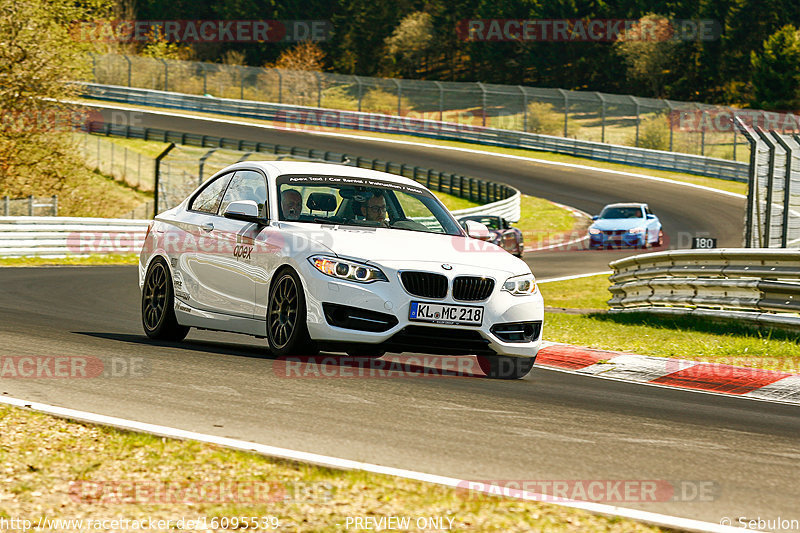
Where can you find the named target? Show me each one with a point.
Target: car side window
(208, 199)
(247, 185)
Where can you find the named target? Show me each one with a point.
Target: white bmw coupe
(317, 256)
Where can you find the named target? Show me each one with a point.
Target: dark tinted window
(622, 212)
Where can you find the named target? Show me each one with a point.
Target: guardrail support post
(787, 181)
(703, 133)
(399, 96)
(751, 179)
(770, 184)
(319, 89)
(566, 110)
(159, 157)
(602, 117)
(483, 103)
(636, 102)
(358, 83)
(30, 205)
(441, 100)
(54, 205)
(129, 68)
(6, 205)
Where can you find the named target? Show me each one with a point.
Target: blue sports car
(629, 224)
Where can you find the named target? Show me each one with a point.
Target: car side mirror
(476, 230)
(596, 217)
(651, 216)
(246, 210)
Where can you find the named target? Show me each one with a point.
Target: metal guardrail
(63, 236)
(498, 198)
(687, 127)
(754, 285)
(317, 118)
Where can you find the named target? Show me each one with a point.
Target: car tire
(287, 333)
(505, 367)
(158, 304)
(660, 241)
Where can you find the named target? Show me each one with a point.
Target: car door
(228, 270)
(195, 246)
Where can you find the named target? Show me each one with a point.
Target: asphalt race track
(684, 212)
(549, 426)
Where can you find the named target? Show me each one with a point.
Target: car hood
(619, 223)
(395, 247)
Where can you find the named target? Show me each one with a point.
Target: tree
(300, 66)
(39, 58)
(648, 50)
(775, 73)
(410, 41)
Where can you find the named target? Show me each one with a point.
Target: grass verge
(70, 470)
(725, 185)
(97, 259)
(691, 338)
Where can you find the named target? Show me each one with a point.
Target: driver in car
(291, 204)
(375, 209)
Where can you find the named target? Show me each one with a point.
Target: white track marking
(576, 276)
(335, 462)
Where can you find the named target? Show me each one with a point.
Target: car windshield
(366, 202)
(489, 222)
(622, 212)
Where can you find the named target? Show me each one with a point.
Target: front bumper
(389, 302)
(616, 240)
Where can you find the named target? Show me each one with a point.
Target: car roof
(627, 204)
(278, 168)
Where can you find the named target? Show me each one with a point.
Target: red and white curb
(745, 382)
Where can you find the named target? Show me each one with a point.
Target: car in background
(329, 257)
(626, 224)
(502, 233)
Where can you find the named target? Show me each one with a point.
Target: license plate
(446, 314)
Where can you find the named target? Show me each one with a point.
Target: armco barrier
(754, 285)
(63, 236)
(315, 118)
(500, 199)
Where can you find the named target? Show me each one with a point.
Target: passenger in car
(291, 204)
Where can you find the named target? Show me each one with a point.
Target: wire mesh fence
(685, 127)
(125, 165)
(29, 206)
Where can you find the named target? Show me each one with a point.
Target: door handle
(208, 226)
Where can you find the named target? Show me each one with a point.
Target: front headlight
(636, 230)
(594, 231)
(349, 270)
(520, 285)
